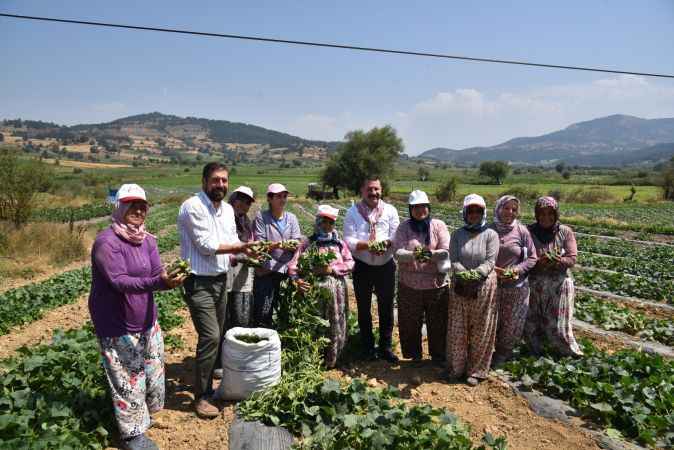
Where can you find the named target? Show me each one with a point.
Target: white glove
(404, 256)
(439, 255)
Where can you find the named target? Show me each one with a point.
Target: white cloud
(467, 117)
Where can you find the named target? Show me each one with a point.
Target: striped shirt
(202, 230)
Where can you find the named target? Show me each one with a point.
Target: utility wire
(329, 45)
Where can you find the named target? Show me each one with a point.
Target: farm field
(638, 276)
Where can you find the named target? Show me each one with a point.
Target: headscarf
(545, 235)
(423, 226)
(482, 225)
(502, 227)
(131, 233)
(371, 216)
(323, 239)
(244, 226)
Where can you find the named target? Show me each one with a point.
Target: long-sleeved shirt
(565, 242)
(516, 249)
(421, 275)
(202, 229)
(468, 251)
(266, 229)
(341, 266)
(123, 276)
(356, 228)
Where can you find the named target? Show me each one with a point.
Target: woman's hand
(323, 270)
(499, 272)
(302, 285)
(173, 282)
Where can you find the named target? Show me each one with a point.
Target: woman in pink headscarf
(125, 271)
(516, 257)
(552, 290)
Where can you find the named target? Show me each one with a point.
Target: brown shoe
(205, 409)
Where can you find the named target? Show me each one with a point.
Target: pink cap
(327, 211)
(276, 188)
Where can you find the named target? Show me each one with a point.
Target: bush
(522, 192)
(593, 194)
(446, 191)
(556, 194)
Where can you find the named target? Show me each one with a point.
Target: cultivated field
(53, 389)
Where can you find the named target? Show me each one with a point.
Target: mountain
(162, 136)
(607, 141)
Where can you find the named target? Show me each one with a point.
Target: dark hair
(210, 168)
(369, 178)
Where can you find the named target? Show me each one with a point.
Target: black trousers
(381, 281)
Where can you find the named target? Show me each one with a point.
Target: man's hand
(173, 282)
(324, 270)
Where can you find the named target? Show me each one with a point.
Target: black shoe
(140, 442)
(370, 355)
(389, 356)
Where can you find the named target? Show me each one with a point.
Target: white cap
(276, 188)
(245, 190)
(130, 192)
(474, 199)
(418, 197)
(327, 211)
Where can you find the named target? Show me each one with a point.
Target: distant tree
(496, 170)
(566, 174)
(2, 137)
(423, 173)
(20, 182)
(667, 182)
(446, 191)
(560, 167)
(363, 155)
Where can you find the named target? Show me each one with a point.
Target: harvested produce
(250, 338)
(422, 254)
(178, 268)
(511, 273)
(289, 245)
(377, 246)
(469, 275)
(313, 259)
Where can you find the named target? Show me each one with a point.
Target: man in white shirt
(207, 236)
(368, 222)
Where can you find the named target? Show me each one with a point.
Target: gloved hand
(439, 255)
(404, 256)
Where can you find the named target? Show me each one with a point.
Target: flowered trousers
(551, 314)
(415, 305)
(513, 307)
(471, 331)
(336, 311)
(134, 366)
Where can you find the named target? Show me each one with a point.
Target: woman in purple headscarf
(552, 290)
(516, 257)
(126, 269)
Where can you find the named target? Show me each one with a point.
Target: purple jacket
(123, 278)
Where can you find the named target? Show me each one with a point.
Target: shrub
(446, 191)
(593, 194)
(522, 192)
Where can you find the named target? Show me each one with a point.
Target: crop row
(74, 213)
(28, 303)
(653, 270)
(629, 392)
(614, 247)
(610, 316)
(56, 395)
(327, 414)
(627, 285)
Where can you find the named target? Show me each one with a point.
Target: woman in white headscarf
(332, 277)
(471, 327)
(516, 257)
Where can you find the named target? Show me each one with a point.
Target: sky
(73, 74)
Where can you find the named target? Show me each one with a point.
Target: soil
(490, 407)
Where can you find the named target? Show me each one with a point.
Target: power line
(339, 46)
